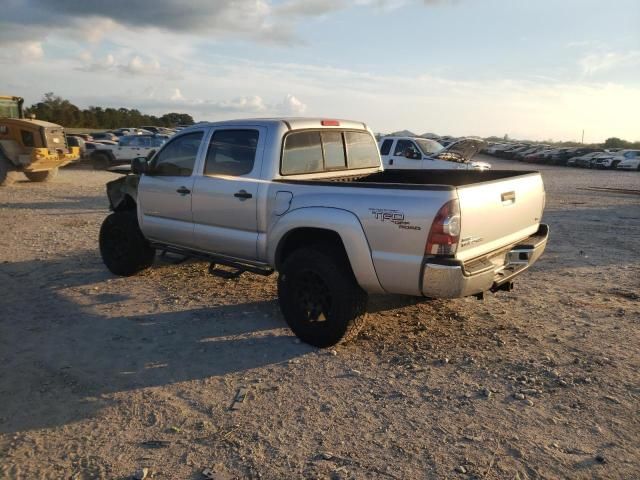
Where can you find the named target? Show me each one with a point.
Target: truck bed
(416, 179)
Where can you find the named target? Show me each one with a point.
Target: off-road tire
(100, 161)
(8, 174)
(317, 281)
(123, 248)
(45, 176)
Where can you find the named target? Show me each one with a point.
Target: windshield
(428, 147)
(9, 108)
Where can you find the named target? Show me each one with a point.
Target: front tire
(45, 176)
(320, 298)
(123, 248)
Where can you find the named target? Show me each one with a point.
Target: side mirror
(139, 165)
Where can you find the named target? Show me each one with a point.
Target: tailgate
(499, 213)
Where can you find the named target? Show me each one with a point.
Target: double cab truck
(411, 153)
(309, 199)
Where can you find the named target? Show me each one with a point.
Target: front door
(225, 197)
(405, 155)
(165, 194)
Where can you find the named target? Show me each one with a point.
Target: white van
(415, 153)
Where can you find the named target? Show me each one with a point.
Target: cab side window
(231, 152)
(178, 157)
(404, 146)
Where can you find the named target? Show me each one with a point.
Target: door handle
(391, 162)
(242, 195)
(508, 197)
(183, 191)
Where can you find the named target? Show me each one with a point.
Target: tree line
(55, 109)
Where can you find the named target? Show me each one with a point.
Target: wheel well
(127, 203)
(300, 237)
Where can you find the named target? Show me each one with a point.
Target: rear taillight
(445, 230)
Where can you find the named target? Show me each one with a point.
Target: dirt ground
(101, 376)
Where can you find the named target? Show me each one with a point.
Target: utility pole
(583, 136)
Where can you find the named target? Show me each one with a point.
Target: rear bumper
(450, 278)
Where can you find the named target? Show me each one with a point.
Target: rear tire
(123, 248)
(45, 176)
(8, 173)
(319, 296)
(100, 161)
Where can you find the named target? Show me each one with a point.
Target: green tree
(173, 119)
(615, 142)
(55, 109)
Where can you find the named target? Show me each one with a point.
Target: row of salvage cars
(583, 157)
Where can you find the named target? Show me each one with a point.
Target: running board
(216, 259)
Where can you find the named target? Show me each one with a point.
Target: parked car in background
(128, 148)
(104, 136)
(496, 147)
(159, 130)
(616, 158)
(121, 132)
(521, 155)
(585, 160)
(509, 151)
(511, 154)
(630, 163)
(417, 153)
(537, 156)
(84, 136)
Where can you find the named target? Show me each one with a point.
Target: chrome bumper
(450, 278)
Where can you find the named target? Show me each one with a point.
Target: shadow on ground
(57, 353)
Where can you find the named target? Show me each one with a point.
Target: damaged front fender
(123, 193)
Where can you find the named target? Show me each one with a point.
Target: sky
(536, 69)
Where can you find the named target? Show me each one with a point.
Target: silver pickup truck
(309, 198)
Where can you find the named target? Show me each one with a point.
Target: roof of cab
(292, 123)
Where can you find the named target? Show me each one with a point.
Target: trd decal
(393, 216)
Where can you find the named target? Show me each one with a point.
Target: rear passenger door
(225, 195)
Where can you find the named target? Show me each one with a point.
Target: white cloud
(21, 52)
(602, 62)
(291, 106)
(137, 66)
(309, 7)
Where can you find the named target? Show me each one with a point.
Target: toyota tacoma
(310, 199)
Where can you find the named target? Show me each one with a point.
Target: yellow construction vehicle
(33, 147)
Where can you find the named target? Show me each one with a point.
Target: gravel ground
(102, 376)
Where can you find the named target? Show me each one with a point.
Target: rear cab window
(316, 151)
